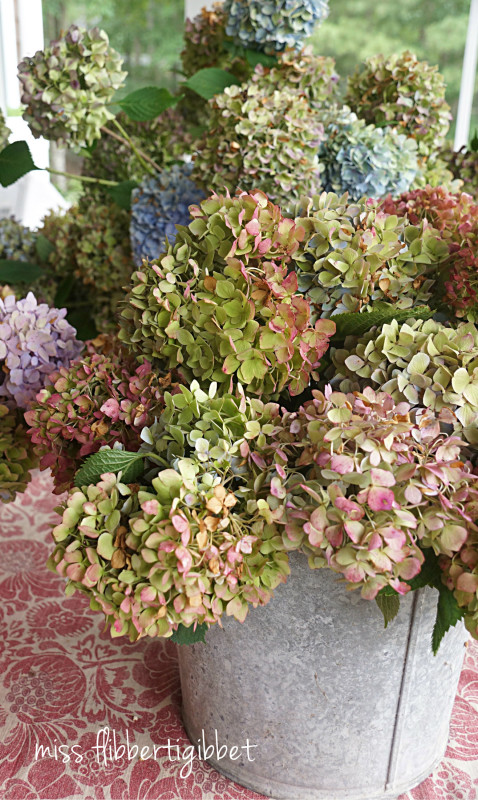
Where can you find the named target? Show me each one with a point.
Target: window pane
(433, 29)
(147, 33)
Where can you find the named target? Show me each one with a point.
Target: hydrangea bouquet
(292, 363)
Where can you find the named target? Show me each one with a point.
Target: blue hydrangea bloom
(158, 205)
(366, 161)
(17, 243)
(272, 25)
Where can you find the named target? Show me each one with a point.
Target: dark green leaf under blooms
(121, 194)
(210, 81)
(129, 464)
(83, 323)
(189, 635)
(18, 271)
(448, 614)
(389, 605)
(64, 290)
(430, 573)
(15, 161)
(255, 57)
(44, 248)
(353, 324)
(147, 103)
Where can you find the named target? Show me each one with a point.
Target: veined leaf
(210, 81)
(389, 605)
(18, 271)
(356, 324)
(121, 194)
(15, 162)
(147, 103)
(448, 614)
(187, 635)
(129, 464)
(44, 248)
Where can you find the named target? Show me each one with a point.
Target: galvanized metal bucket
(311, 699)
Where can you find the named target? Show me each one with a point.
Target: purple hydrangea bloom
(158, 205)
(35, 340)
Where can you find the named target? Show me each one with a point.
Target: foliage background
(149, 34)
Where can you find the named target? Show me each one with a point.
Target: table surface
(63, 680)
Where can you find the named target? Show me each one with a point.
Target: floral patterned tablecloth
(63, 681)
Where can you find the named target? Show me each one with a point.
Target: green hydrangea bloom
(16, 457)
(354, 254)
(260, 136)
(424, 363)
(222, 305)
(67, 86)
(401, 91)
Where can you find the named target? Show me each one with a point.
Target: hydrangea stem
(146, 162)
(82, 178)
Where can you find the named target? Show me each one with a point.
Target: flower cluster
(4, 132)
(455, 216)
(158, 205)
(460, 575)
(91, 242)
(222, 305)
(186, 550)
(364, 160)
(215, 430)
(275, 24)
(405, 93)
(99, 399)
(17, 243)
(16, 457)
(369, 488)
(260, 136)
(423, 363)
(35, 340)
(464, 166)
(67, 86)
(205, 44)
(354, 254)
(308, 74)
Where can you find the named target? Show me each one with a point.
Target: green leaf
(147, 103)
(130, 465)
(185, 635)
(44, 248)
(254, 57)
(18, 271)
(15, 161)
(389, 605)
(430, 573)
(64, 290)
(84, 325)
(448, 614)
(356, 324)
(121, 194)
(210, 81)
(474, 143)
